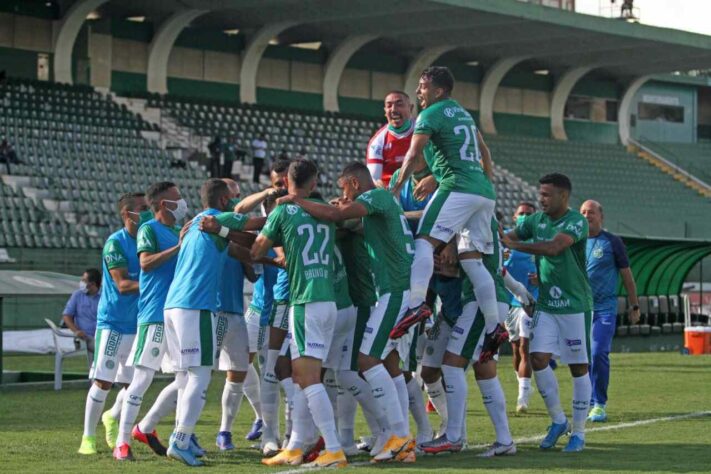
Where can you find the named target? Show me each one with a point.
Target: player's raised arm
(486, 162)
(414, 160)
(327, 212)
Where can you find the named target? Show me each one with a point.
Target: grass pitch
(40, 431)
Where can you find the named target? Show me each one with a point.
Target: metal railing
(670, 159)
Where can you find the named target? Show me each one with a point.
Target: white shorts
(468, 216)
(564, 335)
(234, 354)
(518, 324)
(111, 355)
(194, 337)
(256, 334)
(280, 316)
(388, 311)
(312, 326)
(436, 344)
(338, 357)
(148, 347)
(467, 336)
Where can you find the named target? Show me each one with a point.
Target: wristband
(224, 232)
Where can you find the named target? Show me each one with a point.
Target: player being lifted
(462, 206)
(389, 242)
(309, 253)
(562, 320)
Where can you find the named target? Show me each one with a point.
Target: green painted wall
(20, 62)
(580, 130)
(290, 99)
(664, 131)
(598, 87)
(512, 124)
(128, 83)
(204, 89)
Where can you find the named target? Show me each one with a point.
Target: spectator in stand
(8, 155)
(259, 154)
(215, 148)
(79, 314)
(230, 150)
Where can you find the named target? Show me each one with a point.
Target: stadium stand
(695, 158)
(637, 197)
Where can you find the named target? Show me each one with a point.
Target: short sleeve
(619, 251)
(113, 255)
(524, 228)
(232, 220)
(272, 228)
(147, 241)
(374, 154)
(370, 201)
(71, 308)
(576, 227)
(426, 123)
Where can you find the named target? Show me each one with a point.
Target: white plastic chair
(61, 351)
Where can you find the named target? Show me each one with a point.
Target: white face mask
(82, 287)
(181, 211)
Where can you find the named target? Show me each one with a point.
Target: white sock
(385, 394)
(417, 408)
(162, 407)
(231, 401)
(360, 389)
(455, 387)
(495, 403)
(436, 393)
(484, 289)
(548, 388)
(118, 404)
(421, 272)
(142, 378)
(582, 391)
(269, 397)
(524, 389)
(331, 386)
(192, 402)
(95, 401)
(301, 420)
(250, 387)
(345, 417)
(322, 413)
(181, 379)
(289, 390)
(404, 399)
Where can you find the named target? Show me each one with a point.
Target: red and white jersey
(386, 151)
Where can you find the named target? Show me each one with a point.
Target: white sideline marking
(533, 439)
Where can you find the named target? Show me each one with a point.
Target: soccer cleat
(597, 414)
(430, 408)
(224, 441)
(288, 457)
(575, 444)
(185, 456)
(150, 439)
(491, 344)
(498, 449)
(256, 432)
(423, 437)
(366, 443)
(351, 450)
(122, 452)
(329, 459)
(407, 455)
(555, 431)
(379, 442)
(314, 451)
(521, 408)
(441, 445)
(412, 317)
(270, 448)
(88, 445)
(111, 425)
(391, 449)
(195, 447)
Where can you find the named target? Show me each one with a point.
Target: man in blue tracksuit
(606, 258)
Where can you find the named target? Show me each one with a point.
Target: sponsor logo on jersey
(573, 342)
(458, 330)
(192, 350)
(221, 330)
(450, 112)
(366, 197)
(388, 145)
(444, 229)
(555, 292)
(315, 345)
(291, 209)
(158, 333)
(576, 228)
(368, 330)
(112, 344)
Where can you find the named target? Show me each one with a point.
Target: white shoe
(366, 443)
(498, 449)
(379, 442)
(521, 407)
(270, 448)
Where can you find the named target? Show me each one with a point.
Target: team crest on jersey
(291, 209)
(155, 351)
(597, 253)
(449, 112)
(555, 292)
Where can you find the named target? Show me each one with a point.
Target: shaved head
(591, 202)
(592, 211)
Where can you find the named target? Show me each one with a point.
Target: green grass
(40, 431)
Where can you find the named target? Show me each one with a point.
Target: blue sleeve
(71, 308)
(619, 251)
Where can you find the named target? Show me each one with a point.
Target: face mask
(232, 203)
(143, 216)
(181, 211)
(82, 287)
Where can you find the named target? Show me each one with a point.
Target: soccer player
(522, 267)
(194, 331)
(606, 258)
(309, 253)
(561, 323)
(157, 248)
(389, 241)
(463, 204)
(116, 323)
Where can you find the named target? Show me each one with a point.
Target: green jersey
(357, 261)
(389, 240)
(340, 280)
(308, 245)
(564, 287)
(494, 263)
(454, 157)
